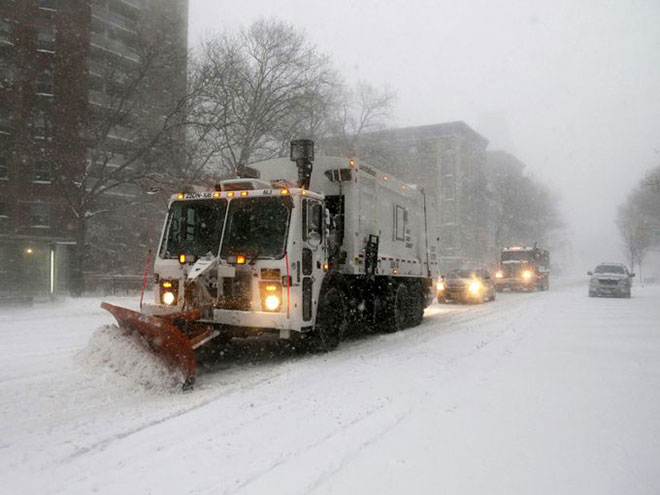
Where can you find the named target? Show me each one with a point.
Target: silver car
(610, 279)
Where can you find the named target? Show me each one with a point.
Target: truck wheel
(331, 321)
(416, 307)
(394, 309)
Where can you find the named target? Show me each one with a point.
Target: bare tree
(635, 231)
(359, 114)
(267, 83)
(653, 179)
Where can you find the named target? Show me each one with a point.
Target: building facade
(54, 82)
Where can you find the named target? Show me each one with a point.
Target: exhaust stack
(302, 152)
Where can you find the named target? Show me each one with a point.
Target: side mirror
(314, 239)
(329, 220)
(590, 273)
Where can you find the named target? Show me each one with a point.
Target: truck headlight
(475, 287)
(499, 274)
(526, 275)
(440, 286)
(272, 303)
(168, 298)
(271, 296)
(169, 290)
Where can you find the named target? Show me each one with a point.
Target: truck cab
(246, 258)
(523, 268)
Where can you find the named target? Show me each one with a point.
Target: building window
(4, 168)
(41, 128)
(46, 39)
(48, 4)
(5, 120)
(45, 83)
(4, 217)
(5, 75)
(42, 172)
(38, 215)
(448, 186)
(5, 31)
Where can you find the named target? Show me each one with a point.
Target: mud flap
(163, 337)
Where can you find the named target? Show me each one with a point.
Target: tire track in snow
(371, 347)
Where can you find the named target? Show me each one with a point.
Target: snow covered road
(535, 393)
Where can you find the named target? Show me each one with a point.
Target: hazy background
(572, 88)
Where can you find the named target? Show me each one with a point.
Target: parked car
(471, 285)
(610, 279)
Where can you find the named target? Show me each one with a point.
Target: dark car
(610, 279)
(472, 285)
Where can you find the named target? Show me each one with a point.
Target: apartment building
(54, 65)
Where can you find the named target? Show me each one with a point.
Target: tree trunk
(77, 262)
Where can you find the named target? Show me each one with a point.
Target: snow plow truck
(298, 248)
(523, 268)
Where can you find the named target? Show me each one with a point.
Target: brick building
(53, 54)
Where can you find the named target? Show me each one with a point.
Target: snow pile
(114, 356)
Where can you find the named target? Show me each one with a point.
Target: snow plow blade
(164, 338)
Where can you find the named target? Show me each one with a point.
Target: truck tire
(394, 309)
(416, 306)
(331, 321)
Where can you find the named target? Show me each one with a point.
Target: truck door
(313, 255)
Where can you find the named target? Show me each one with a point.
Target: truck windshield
(194, 228)
(257, 227)
(516, 256)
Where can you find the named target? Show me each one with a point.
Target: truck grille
(236, 292)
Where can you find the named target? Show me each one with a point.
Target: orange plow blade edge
(163, 337)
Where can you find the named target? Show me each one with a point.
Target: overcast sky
(571, 87)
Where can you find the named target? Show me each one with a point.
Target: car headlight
(168, 298)
(475, 287)
(526, 275)
(499, 274)
(440, 286)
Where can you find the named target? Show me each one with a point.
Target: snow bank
(123, 359)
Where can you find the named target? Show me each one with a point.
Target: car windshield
(618, 269)
(194, 228)
(516, 255)
(462, 273)
(257, 227)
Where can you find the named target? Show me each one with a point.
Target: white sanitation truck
(305, 251)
